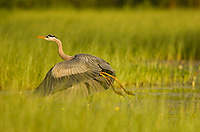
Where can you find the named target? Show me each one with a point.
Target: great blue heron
(81, 68)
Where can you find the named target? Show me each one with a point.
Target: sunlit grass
(135, 43)
(101, 112)
(148, 49)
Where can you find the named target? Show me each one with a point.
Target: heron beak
(41, 37)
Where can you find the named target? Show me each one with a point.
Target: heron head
(48, 37)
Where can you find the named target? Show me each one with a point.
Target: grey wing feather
(83, 69)
(83, 89)
(66, 74)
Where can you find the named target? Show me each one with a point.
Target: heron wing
(66, 74)
(82, 89)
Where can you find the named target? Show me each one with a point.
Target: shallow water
(174, 99)
(184, 93)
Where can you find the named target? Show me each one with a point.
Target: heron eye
(47, 36)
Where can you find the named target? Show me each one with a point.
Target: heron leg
(128, 92)
(117, 92)
(88, 87)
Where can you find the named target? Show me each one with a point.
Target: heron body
(93, 72)
(80, 68)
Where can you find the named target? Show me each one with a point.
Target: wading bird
(92, 71)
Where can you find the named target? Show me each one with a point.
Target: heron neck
(60, 51)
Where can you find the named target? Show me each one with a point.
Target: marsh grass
(101, 112)
(135, 43)
(154, 48)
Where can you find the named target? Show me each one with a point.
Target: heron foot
(117, 92)
(121, 86)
